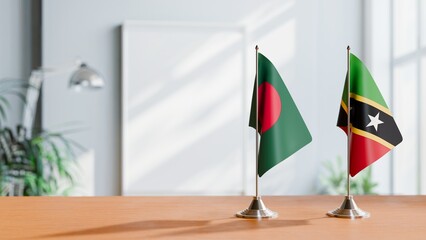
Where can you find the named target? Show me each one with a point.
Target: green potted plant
(333, 180)
(40, 164)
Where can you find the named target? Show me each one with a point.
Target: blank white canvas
(182, 109)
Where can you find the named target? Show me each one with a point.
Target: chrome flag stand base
(349, 209)
(257, 209)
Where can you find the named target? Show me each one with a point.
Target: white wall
(15, 47)
(340, 23)
(393, 42)
(378, 59)
(305, 39)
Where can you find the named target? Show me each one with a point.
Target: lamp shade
(86, 77)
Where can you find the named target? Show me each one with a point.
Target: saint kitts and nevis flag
(374, 131)
(282, 129)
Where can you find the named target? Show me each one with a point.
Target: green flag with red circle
(280, 125)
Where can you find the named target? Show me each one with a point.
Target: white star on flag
(374, 121)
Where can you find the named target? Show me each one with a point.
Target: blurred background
(172, 117)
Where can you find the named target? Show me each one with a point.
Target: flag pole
(348, 183)
(348, 209)
(257, 121)
(257, 208)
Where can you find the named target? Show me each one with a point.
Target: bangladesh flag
(374, 131)
(281, 126)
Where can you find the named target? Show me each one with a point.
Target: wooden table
(392, 217)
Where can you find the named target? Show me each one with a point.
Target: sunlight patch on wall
(406, 116)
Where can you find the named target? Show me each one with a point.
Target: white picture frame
(184, 122)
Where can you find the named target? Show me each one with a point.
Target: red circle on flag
(269, 106)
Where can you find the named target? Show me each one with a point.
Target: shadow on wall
(187, 103)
